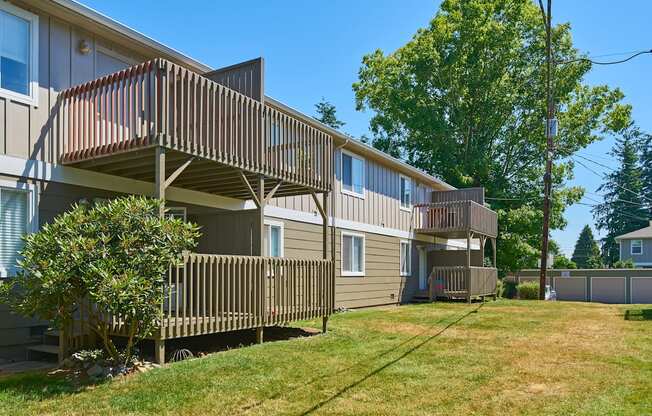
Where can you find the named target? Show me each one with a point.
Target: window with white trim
(406, 258)
(406, 192)
(637, 247)
(273, 239)
(16, 208)
(352, 254)
(18, 54)
(352, 174)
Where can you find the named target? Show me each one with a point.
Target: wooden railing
(465, 194)
(462, 282)
(213, 293)
(161, 103)
(455, 217)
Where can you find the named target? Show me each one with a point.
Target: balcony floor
(203, 175)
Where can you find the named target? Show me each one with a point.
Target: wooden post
(261, 251)
(493, 247)
(324, 324)
(159, 173)
(63, 347)
(468, 267)
(159, 351)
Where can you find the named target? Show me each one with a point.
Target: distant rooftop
(642, 233)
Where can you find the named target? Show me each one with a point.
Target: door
(423, 268)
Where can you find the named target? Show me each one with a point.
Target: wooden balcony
(209, 294)
(461, 282)
(113, 125)
(455, 219)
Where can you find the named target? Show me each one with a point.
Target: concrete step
(44, 348)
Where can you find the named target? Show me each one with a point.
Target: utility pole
(551, 129)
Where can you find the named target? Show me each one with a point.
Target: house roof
(107, 24)
(642, 233)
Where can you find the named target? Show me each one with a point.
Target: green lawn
(505, 357)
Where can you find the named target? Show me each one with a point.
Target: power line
(624, 214)
(586, 59)
(603, 175)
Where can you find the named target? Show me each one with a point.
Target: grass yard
(501, 358)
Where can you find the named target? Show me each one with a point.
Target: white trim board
(44, 171)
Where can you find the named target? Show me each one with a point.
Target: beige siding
(380, 205)
(27, 130)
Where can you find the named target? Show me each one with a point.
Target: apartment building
(297, 218)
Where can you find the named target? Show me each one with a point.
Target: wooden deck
(461, 282)
(455, 219)
(113, 124)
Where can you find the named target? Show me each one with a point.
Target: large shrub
(112, 254)
(528, 290)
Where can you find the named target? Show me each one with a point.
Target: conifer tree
(326, 114)
(587, 252)
(623, 209)
(646, 170)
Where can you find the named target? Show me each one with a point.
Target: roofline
(123, 29)
(345, 140)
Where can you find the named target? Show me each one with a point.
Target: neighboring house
(637, 246)
(297, 218)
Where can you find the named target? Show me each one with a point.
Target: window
(352, 175)
(406, 258)
(273, 238)
(406, 192)
(352, 254)
(15, 221)
(637, 247)
(18, 54)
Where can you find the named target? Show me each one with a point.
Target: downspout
(333, 213)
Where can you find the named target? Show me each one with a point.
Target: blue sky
(313, 49)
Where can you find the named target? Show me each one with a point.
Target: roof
(340, 139)
(642, 233)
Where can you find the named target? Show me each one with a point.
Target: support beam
(254, 196)
(494, 249)
(259, 335)
(178, 172)
(324, 324)
(468, 267)
(271, 193)
(159, 351)
(261, 213)
(159, 177)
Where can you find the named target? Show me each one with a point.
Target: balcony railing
(214, 293)
(455, 219)
(462, 282)
(161, 103)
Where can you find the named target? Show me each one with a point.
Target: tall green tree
(326, 113)
(646, 170)
(624, 208)
(465, 100)
(587, 252)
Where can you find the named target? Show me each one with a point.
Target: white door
(423, 268)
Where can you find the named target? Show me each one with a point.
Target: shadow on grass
(638, 315)
(37, 385)
(367, 360)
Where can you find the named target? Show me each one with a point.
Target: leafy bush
(506, 289)
(528, 290)
(562, 262)
(113, 254)
(624, 264)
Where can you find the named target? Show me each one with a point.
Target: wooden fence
(161, 103)
(455, 218)
(462, 282)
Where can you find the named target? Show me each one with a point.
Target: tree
(646, 170)
(587, 252)
(326, 114)
(465, 100)
(112, 255)
(623, 209)
(562, 262)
